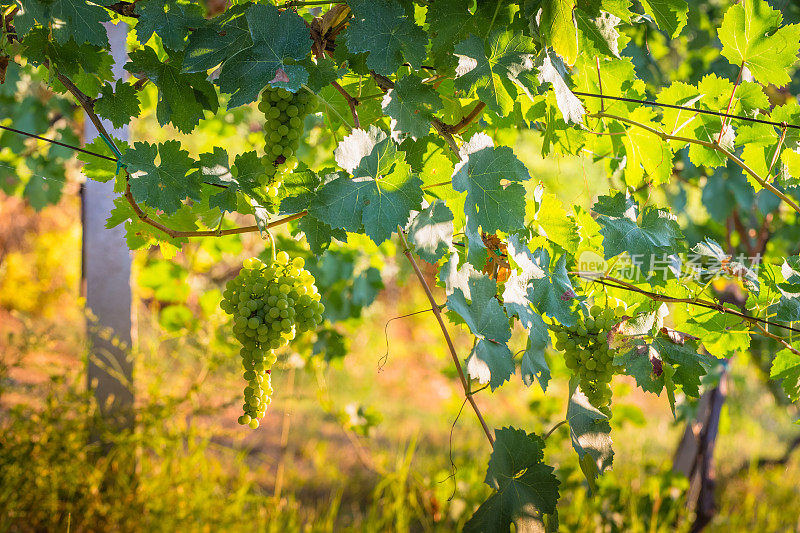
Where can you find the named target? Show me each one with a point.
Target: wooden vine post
(106, 281)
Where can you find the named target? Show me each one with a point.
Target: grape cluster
(285, 113)
(270, 305)
(588, 354)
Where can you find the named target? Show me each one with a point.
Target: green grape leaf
(786, 367)
(517, 303)
(552, 71)
(381, 195)
(670, 15)
(244, 176)
(663, 364)
(164, 185)
(169, 19)
(553, 293)
(647, 239)
(490, 69)
(322, 72)
(788, 307)
(448, 23)
(300, 187)
(118, 104)
(647, 157)
(277, 38)
(598, 34)
(182, 98)
(431, 232)
(411, 104)
(721, 333)
(558, 29)
(534, 364)
(217, 40)
(319, 234)
(75, 20)
(590, 433)
(526, 488)
(491, 178)
(484, 316)
(491, 362)
(555, 224)
(751, 34)
(382, 28)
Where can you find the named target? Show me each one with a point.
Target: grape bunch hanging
(285, 113)
(270, 305)
(588, 354)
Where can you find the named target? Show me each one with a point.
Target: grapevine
(415, 113)
(270, 304)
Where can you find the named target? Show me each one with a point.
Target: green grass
(198, 470)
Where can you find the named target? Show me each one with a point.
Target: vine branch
(438, 314)
(707, 304)
(710, 145)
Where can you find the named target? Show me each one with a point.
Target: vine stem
(438, 314)
(711, 145)
(351, 101)
(552, 429)
(730, 103)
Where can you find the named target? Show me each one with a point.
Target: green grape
(588, 355)
(266, 304)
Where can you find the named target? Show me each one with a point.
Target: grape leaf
(319, 234)
(382, 28)
(598, 34)
(163, 185)
(555, 224)
(490, 69)
(169, 19)
(670, 15)
(299, 188)
(590, 433)
(217, 40)
(649, 364)
(786, 367)
(411, 104)
(647, 240)
(516, 303)
(751, 34)
(381, 195)
(490, 176)
(552, 71)
(76, 20)
(277, 38)
(448, 23)
(431, 232)
(525, 487)
(490, 362)
(244, 176)
(182, 98)
(646, 155)
(118, 104)
(46, 184)
(558, 28)
(552, 294)
(484, 316)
